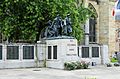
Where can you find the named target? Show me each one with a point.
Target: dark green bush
(69, 66)
(85, 66)
(79, 65)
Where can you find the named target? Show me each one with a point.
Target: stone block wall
(112, 30)
(103, 22)
(102, 27)
(8, 60)
(106, 25)
(97, 25)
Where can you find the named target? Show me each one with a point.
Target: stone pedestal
(105, 56)
(59, 51)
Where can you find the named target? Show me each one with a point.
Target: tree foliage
(25, 19)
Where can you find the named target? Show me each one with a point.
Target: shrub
(84, 64)
(69, 66)
(113, 60)
(76, 65)
(79, 65)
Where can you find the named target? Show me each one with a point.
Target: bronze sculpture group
(58, 27)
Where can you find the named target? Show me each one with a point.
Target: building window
(49, 52)
(12, 52)
(85, 52)
(92, 24)
(95, 51)
(0, 52)
(28, 52)
(92, 30)
(118, 5)
(116, 10)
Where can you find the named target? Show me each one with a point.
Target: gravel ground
(96, 72)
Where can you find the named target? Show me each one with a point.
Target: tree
(25, 19)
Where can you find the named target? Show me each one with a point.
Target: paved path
(99, 72)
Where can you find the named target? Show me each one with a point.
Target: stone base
(66, 52)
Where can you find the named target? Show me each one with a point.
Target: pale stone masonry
(103, 22)
(106, 25)
(117, 38)
(112, 30)
(102, 27)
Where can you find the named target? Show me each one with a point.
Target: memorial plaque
(71, 47)
(28, 52)
(49, 52)
(12, 52)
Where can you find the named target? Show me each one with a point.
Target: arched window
(92, 30)
(92, 25)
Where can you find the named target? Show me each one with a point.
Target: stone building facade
(106, 27)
